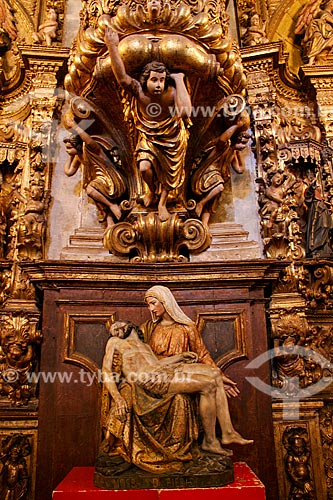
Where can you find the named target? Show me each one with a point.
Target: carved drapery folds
(189, 157)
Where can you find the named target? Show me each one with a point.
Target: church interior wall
(257, 261)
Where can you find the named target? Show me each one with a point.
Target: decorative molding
(72, 323)
(233, 334)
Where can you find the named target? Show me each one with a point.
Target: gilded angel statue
(103, 181)
(316, 24)
(151, 71)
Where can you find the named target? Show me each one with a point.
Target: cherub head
(329, 6)
(154, 8)
(154, 77)
(73, 141)
(255, 19)
(297, 445)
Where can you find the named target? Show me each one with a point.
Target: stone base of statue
(205, 471)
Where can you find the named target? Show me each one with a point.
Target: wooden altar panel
(74, 339)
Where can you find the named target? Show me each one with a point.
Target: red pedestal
(78, 485)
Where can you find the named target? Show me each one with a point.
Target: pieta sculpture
(162, 85)
(162, 383)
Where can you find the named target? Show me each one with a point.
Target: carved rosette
(144, 238)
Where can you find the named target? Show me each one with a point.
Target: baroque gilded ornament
(294, 187)
(295, 347)
(326, 431)
(154, 167)
(19, 338)
(297, 463)
(14, 473)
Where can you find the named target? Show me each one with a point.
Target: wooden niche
(226, 300)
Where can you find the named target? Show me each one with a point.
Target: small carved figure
(9, 56)
(273, 209)
(14, 477)
(319, 223)
(298, 190)
(295, 367)
(47, 32)
(32, 224)
(256, 32)
(159, 112)
(289, 363)
(297, 129)
(34, 217)
(213, 166)
(10, 199)
(316, 23)
(153, 11)
(103, 181)
(297, 465)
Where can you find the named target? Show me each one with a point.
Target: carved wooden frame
(239, 323)
(70, 355)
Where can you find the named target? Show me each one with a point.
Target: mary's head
(161, 302)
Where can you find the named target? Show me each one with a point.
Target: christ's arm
(110, 378)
